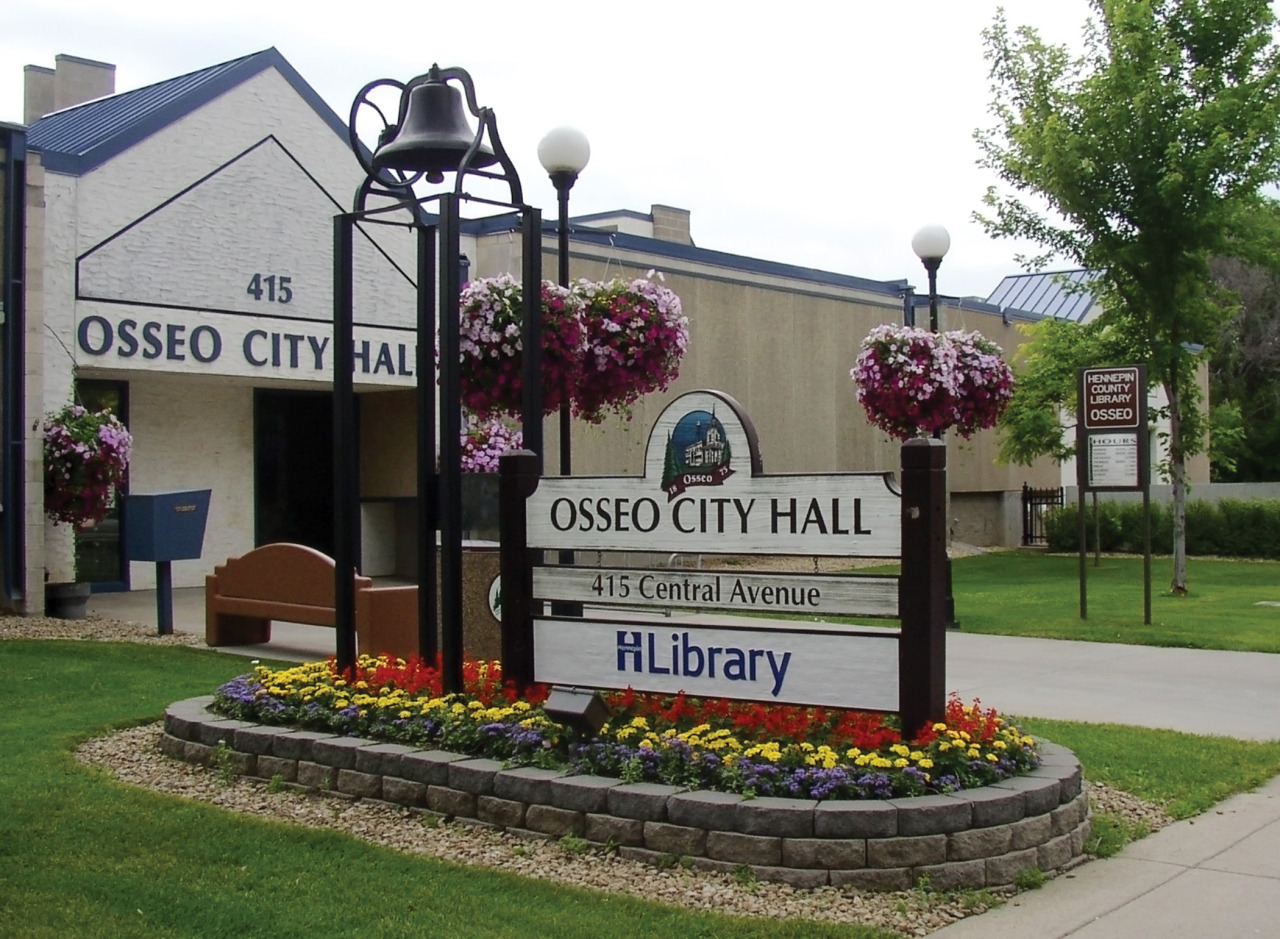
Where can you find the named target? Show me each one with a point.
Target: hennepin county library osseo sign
(702, 493)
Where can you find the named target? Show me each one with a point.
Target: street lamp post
(564, 153)
(931, 244)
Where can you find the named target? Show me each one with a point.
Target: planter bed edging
(968, 839)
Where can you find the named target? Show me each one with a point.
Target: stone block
(643, 855)
(737, 848)
(1065, 818)
(339, 752)
(703, 808)
(241, 764)
(258, 738)
(871, 818)
(195, 752)
(1069, 776)
(675, 839)
(1043, 794)
(451, 802)
(978, 843)
(932, 815)
(906, 852)
(220, 730)
(1006, 868)
(582, 793)
(834, 853)
(382, 759)
(1080, 837)
(315, 775)
(955, 875)
(172, 746)
(182, 719)
(879, 879)
(297, 745)
(526, 784)
(1054, 853)
(430, 767)
(1031, 832)
(800, 879)
(608, 828)
(505, 813)
(404, 791)
(995, 806)
(474, 775)
(781, 818)
(644, 801)
(556, 822)
(270, 767)
(358, 784)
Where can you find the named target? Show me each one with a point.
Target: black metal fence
(1035, 504)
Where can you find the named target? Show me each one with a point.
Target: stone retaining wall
(976, 838)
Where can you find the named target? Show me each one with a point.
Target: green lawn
(82, 855)
(1031, 594)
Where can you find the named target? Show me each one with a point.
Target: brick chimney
(671, 224)
(72, 81)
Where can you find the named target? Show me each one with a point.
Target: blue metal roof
(1060, 294)
(76, 140)
(685, 252)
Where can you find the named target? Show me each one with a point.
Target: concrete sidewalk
(1217, 875)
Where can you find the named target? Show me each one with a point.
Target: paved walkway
(1217, 875)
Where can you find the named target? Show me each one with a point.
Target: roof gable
(76, 140)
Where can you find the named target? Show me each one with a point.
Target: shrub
(1230, 528)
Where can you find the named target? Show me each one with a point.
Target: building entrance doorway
(293, 468)
(100, 549)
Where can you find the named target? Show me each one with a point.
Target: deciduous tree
(1140, 159)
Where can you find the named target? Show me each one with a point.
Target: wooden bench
(289, 582)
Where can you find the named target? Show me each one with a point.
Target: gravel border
(133, 756)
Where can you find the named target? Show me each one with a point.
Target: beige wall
(783, 348)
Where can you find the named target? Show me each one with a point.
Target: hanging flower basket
(636, 336)
(912, 381)
(492, 352)
(86, 458)
(484, 441)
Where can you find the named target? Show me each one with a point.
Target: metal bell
(433, 134)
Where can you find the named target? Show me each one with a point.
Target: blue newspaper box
(165, 526)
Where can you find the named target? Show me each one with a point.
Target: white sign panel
(787, 666)
(1113, 460)
(702, 493)
(722, 590)
(152, 339)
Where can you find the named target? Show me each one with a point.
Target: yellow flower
(901, 763)
(991, 757)
(926, 764)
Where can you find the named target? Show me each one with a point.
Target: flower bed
(741, 747)
(974, 838)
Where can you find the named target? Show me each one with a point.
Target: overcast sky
(823, 134)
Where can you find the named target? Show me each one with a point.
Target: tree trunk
(1178, 479)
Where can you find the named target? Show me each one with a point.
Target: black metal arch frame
(438, 275)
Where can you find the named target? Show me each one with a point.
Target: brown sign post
(1112, 452)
